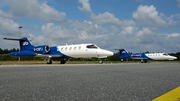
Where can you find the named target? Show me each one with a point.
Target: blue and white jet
(150, 56)
(63, 52)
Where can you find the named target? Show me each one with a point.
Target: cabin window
(66, 48)
(92, 46)
(74, 48)
(61, 49)
(79, 47)
(70, 48)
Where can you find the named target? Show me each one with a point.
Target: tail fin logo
(123, 52)
(25, 43)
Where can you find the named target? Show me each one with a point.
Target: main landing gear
(145, 61)
(49, 61)
(63, 62)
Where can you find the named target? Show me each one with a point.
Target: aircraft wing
(47, 55)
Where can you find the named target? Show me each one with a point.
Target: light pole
(19, 38)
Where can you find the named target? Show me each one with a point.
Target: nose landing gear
(100, 61)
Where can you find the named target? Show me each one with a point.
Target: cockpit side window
(92, 46)
(165, 54)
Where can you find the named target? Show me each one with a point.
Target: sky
(136, 25)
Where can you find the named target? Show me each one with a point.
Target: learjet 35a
(63, 52)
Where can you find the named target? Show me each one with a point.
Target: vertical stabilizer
(124, 53)
(25, 44)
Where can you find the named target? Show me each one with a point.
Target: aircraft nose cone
(109, 53)
(175, 57)
(105, 53)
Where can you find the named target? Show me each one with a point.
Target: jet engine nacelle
(41, 49)
(23, 54)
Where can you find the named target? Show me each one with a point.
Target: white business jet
(63, 52)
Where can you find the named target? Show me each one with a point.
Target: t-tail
(25, 44)
(26, 48)
(124, 53)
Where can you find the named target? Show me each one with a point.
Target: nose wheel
(100, 61)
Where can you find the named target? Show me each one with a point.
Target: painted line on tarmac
(173, 95)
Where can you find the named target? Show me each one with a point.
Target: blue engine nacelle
(23, 54)
(41, 49)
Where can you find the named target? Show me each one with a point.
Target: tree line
(115, 57)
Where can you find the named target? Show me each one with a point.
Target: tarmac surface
(88, 82)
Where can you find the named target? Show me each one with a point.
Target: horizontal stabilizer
(14, 39)
(23, 54)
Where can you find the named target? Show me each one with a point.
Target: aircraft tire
(100, 61)
(63, 62)
(49, 62)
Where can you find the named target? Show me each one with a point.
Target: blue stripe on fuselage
(56, 51)
(145, 56)
(139, 56)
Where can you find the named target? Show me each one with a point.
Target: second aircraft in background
(149, 56)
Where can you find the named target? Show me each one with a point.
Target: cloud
(105, 18)
(174, 20)
(178, 3)
(83, 33)
(86, 6)
(173, 35)
(148, 16)
(31, 8)
(115, 29)
(8, 27)
(109, 18)
(128, 30)
(2, 14)
(174, 23)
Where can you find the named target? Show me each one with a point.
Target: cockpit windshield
(92, 46)
(165, 54)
